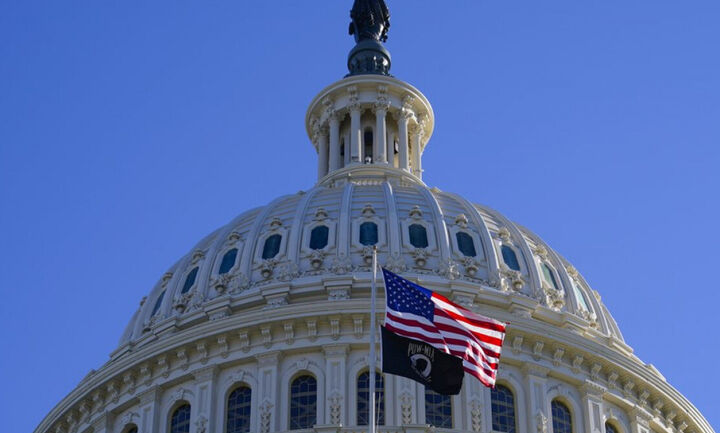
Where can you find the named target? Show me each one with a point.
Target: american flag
(416, 312)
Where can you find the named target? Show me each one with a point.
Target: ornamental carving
(542, 422)
(341, 264)
(476, 415)
(448, 269)
(406, 402)
(267, 267)
(554, 299)
(316, 257)
(420, 256)
(396, 263)
(335, 401)
(286, 271)
(265, 414)
(470, 265)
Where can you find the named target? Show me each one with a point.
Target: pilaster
(149, 408)
(336, 384)
(205, 379)
(268, 391)
(592, 395)
(538, 406)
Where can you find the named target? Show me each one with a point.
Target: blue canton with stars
(407, 297)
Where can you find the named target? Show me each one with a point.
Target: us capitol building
(264, 325)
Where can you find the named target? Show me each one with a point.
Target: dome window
(418, 236)
(190, 280)
(549, 276)
(228, 261)
(503, 409)
(465, 243)
(363, 398)
(368, 233)
(580, 296)
(561, 418)
(238, 410)
(158, 304)
(180, 420)
(510, 258)
(438, 409)
(319, 237)
(303, 403)
(271, 247)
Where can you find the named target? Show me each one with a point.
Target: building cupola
(369, 119)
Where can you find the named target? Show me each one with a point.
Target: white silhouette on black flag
(421, 362)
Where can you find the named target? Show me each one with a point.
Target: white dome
(545, 283)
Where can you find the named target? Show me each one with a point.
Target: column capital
(593, 389)
(269, 359)
(336, 350)
(205, 373)
(535, 370)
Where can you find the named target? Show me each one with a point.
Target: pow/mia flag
(422, 363)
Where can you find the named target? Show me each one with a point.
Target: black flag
(422, 363)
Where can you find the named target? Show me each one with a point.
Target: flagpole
(371, 402)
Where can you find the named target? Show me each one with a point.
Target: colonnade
(342, 131)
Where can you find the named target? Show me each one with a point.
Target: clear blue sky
(129, 130)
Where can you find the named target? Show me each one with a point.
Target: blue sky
(129, 130)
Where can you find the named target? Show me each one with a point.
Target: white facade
(208, 327)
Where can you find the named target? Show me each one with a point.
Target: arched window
(303, 402)
(418, 236)
(228, 261)
(190, 280)
(368, 137)
(368, 233)
(271, 247)
(131, 429)
(510, 258)
(319, 237)
(503, 409)
(609, 428)
(465, 244)
(158, 303)
(180, 420)
(561, 418)
(238, 411)
(363, 399)
(438, 409)
(549, 276)
(580, 296)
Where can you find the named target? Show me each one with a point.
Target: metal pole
(371, 402)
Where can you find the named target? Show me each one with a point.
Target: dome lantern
(369, 119)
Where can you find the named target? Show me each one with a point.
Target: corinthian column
(355, 126)
(335, 162)
(322, 141)
(403, 162)
(381, 107)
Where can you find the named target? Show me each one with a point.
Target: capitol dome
(263, 326)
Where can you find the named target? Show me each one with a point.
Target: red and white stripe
(457, 331)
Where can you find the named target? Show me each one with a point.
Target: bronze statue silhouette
(370, 20)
